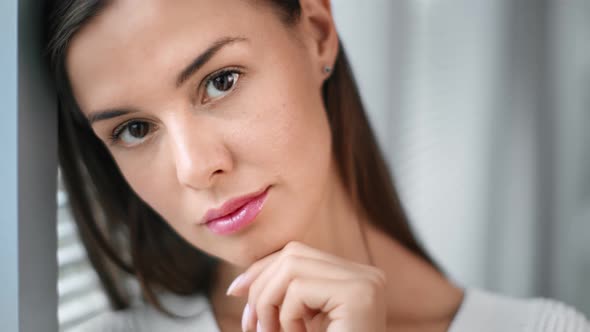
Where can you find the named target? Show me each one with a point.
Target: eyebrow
(108, 114)
(202, 59)
(184, 75)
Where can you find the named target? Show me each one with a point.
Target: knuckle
(363, 287)
(285, 317)
(364, 293)
(254, 293)
(260, 305)
(378, 277)
(295, 287)
(288, 255)
(265, 310)
(292, 247)
(256, 265)
(289, 263)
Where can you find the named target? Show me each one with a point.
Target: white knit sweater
(487, 312)
(480, 311)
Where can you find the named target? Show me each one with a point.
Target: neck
(417, 294)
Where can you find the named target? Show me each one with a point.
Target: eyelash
(219, 73)
(115, 136)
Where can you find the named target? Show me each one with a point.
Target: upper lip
(231, 206)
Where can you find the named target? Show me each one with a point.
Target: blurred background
(483, 109)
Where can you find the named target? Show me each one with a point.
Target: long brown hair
(121, 233)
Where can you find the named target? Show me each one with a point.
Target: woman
(218, 151)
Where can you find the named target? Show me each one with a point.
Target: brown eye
(132, 133)
(138, 129)
(221, 84)
(224, 82)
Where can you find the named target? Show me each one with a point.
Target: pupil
(224, 82)
(138, 129)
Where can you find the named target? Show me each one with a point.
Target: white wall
(428, 80)
(482, 109)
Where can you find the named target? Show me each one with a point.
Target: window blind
(80, 294)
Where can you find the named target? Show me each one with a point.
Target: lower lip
(238, 219)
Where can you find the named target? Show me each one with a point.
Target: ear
(319, 34)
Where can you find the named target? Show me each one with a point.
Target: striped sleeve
(553, 316)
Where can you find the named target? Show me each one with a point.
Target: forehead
(133, 40)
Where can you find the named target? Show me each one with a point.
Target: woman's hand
(301, 289)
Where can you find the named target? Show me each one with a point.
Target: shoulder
(195, 311)
(552, 315)
(486, 311)
(111, 321)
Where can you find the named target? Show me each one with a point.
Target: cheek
(289, 128)
(149, 181)
(290, 136)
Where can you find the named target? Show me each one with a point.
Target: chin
(249, 250)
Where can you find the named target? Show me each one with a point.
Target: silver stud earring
(327, 69)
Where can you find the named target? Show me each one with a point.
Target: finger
(255, 272)
(344, 305)
(339, 270)
(305, 296)
(268, 291)
(240, 287)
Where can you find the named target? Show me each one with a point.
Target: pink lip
(235, 213)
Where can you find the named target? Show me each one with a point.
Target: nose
(200, 155)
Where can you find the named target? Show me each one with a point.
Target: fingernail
(234, 284)
(259, 327)
(245, 316)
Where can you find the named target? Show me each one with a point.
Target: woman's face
(249, 116)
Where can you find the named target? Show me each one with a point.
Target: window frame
(28, 173)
